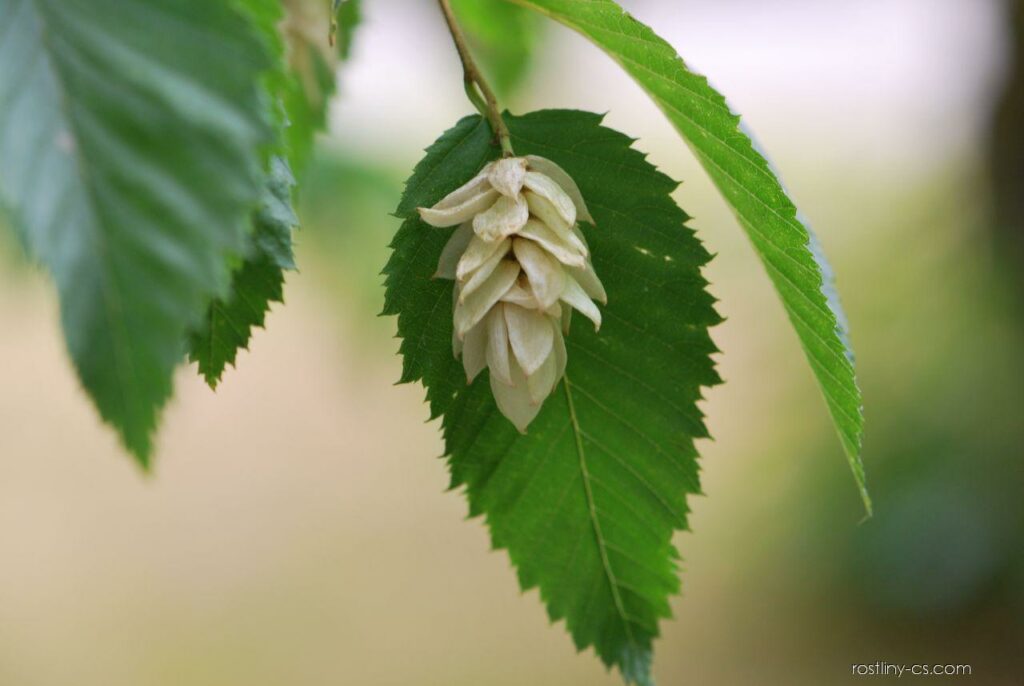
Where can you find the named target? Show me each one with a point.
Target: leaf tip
(635, 664)
(142, 451)
(865, 497)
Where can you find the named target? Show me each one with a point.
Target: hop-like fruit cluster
(520, 266)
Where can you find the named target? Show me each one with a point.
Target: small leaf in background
(347, 16)
(256, 284)
(587, 501)
(311, 62)
(792, 257)
(131, 134)
(503, 37)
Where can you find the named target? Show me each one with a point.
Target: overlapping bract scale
(520, 266)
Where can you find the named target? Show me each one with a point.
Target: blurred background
(297, 528)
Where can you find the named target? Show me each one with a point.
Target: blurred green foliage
(942, 561)
(948, 466)
(344, 210)
(347, 16)
(136, 207)
(13, 260)
(504, 38)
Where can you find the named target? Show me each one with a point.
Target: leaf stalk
(478, 90)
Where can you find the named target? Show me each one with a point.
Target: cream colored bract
(520, 266)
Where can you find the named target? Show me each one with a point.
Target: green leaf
(130, 147)
(266, 17)
(305, 101)
(586, 503)
(787, 247)
(306, 83)
(312, 62)
(503, 38)
(256, 284)
(259, 280)
(347, 16)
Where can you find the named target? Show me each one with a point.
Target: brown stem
(477, 88)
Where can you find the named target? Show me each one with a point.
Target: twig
(477, 89)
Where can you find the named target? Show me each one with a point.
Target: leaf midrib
(602, 545)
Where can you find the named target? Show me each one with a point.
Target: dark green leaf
(130, 147)
(256, 284)
(787, 247)
(586, 503)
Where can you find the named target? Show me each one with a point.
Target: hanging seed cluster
(520, 266)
